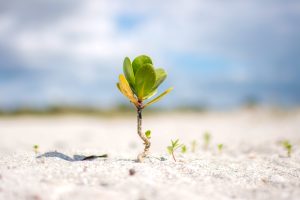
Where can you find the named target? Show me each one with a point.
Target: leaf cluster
(141, 80)
(174, 146)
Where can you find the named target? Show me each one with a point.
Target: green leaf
(220, 147)
(170, 149)
(148, 134)
(150, 95)
(161, 75)
(183, 149)
(128, 71)
(159, 97)
(145, 78)
(175, 143)
(139, 61)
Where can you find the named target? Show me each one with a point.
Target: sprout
(220, 147)
(183, 149)
(194, 146)
(207, 139)
(174, 146)
(36, 148)
(288, 147)
(139, 83)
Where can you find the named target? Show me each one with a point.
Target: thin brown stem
(146, 141)
(173, 156)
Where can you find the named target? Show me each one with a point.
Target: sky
(217, 53)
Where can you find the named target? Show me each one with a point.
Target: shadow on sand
(75, 158)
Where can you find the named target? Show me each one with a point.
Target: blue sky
(217, 53)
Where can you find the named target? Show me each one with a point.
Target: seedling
(148, 134)
(194, 146)
(36, 148)
(220, 147)
(207, 139)
(288, 147)
(174, 146)
(139, 83)
(183, 149)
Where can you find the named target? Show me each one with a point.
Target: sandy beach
(252, 165)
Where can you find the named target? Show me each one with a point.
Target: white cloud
(83, 42)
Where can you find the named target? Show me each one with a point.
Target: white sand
(252, 166)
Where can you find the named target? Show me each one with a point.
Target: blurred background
(218, 54)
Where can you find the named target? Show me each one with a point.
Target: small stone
(132, 172)
(35, 197)
(104, 184)
(264, 180)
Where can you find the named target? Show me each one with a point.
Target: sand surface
(252, 165)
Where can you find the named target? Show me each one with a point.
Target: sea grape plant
(139, 83)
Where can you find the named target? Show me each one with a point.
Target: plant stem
(173, 156)
(147, 143)
(289, 152)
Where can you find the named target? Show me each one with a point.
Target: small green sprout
(194, 146)
(288, 146)
(36, 148)
(148, 134)
(207, 139)
(174, 146)
(220, 147)
(139, 83)
(183, 149)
